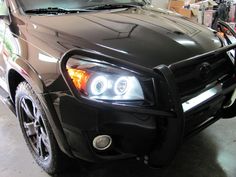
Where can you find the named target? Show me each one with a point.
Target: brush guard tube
(160, 156)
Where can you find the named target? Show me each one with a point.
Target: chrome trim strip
(193, 102)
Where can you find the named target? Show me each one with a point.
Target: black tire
(37, 131)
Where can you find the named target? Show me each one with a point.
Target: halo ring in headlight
(121, 86)
(98, 85)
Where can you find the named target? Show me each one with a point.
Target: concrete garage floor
(212, 153)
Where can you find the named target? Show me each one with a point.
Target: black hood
(145, 36)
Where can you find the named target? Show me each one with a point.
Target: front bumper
(132, 133)
(155, 131)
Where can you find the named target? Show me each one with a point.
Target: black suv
(102, 80)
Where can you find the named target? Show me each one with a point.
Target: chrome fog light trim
(102, 142)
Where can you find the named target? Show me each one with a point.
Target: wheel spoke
(36, 112)
(26, 109)
(39, 146)
(45, 139)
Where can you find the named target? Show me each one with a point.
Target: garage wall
(160, 3)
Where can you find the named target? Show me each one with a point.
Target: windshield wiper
(54, 10)
(114, 6)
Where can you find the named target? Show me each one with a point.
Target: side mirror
(4, 11)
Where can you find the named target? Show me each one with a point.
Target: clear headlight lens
(102, 82)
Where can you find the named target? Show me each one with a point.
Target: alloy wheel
(34, 128)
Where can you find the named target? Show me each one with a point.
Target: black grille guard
(162, 71)
(175, 115)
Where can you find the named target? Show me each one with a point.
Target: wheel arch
(14, 79)
(21, 71)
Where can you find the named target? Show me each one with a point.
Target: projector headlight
(103, 82)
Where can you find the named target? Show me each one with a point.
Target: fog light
(102, 142)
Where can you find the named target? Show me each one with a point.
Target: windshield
(71, 4)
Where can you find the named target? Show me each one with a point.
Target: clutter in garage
(206, 12)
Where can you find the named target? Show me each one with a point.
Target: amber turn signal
(79, 78)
